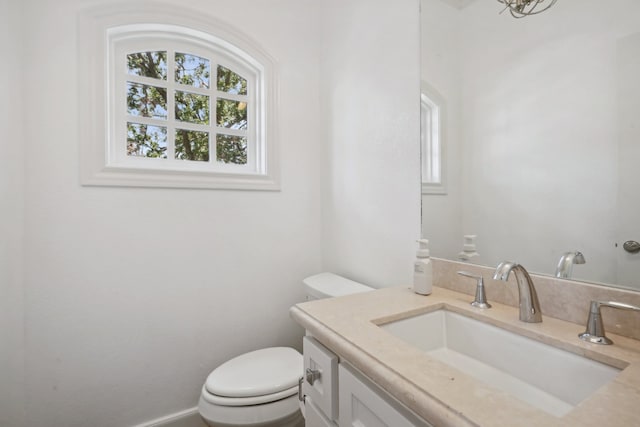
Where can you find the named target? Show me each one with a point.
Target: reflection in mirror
(431, 140)
(542, 137)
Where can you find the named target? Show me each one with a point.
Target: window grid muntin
(255, 132)
(173, 123)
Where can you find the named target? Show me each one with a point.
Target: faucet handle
(594, 332)
(480, 300)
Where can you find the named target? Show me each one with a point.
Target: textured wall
(134, 295)
(11, 223)
(371, 83)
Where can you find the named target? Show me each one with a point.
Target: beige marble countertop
(445, 396)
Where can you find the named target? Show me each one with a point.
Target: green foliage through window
(230, 82)
(146, 141)
(231, 149)
(231, 114)
(192, 145)
(192, 108)
(148, 64)
(146, 101)
(192, 70)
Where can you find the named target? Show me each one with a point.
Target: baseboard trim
(187, 418)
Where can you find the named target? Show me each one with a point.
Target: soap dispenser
(469, 248)
(422, 277)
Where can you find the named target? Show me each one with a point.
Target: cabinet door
(321, 377)
(313, 417)
(361, 405)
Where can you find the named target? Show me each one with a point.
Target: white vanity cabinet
(314, 417)
(320, 384)
(336, 394)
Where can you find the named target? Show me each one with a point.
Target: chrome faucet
(529, 304)
(565, 265)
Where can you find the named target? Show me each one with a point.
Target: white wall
(11, 224)
(134, 295)
(539, 127)
(370, 85)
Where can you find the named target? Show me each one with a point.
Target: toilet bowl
(260, 388)
(257, 389)
(282, 413)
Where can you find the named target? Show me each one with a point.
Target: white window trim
(432, 109)
(97, 168)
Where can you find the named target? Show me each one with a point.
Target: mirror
(539, 136)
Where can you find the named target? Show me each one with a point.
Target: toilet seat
(247, 401)
(260, 376)
(255, 378)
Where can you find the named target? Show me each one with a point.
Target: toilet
(260, 388)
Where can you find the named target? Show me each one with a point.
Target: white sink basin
(543, 376)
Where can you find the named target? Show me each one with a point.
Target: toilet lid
(327, 285)
(260, 372)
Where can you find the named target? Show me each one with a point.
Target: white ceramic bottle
(422, 270)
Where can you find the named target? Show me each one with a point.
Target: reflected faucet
(565, 265)
(529, 305)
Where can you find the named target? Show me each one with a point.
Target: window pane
(231, 149)
(148, 64)
(192, 70)
(231, 114)
(146, 101)
(146, 141)
(230, 82)
(192, 108)
(192, 145)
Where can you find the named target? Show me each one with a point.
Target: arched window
(183, 108)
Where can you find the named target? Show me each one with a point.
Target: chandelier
(522, 8)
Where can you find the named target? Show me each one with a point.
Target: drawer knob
(312, 375)
(631, 246)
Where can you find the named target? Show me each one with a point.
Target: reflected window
(431, 140)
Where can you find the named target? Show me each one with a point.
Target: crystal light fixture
(522, 8)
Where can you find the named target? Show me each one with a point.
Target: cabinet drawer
(321, 377)
(362, 403)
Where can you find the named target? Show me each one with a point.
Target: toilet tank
(327, 285)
